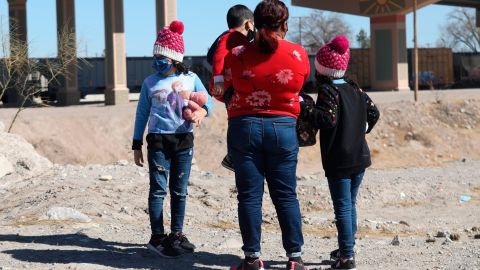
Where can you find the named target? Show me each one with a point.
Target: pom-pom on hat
(169, 42)
(332, 59)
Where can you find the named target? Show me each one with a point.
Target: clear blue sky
(204, 21)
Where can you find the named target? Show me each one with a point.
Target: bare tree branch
(460, 32)
(20, 72)
(318, 29)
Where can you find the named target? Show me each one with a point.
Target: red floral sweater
(266, 83)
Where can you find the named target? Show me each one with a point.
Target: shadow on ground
(107, 253)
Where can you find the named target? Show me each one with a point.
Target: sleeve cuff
(218, 79)
(137, 145)
(206, 109)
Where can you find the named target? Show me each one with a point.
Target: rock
(447, 241)
(21, 154)
(302, 178)
(431, 240)
(206, 174)
(124, 210)
(231, 244)
(65, 213)
(105, 177)
(395, 241)
(122, 162)
(477, 236)
(441, 234)
(5, 166)
(404, 223)
(454, 236)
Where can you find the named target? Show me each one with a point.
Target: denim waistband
(262, 118)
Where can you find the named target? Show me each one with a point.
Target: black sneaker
(296, 264)
(344, 264)
(179, 242)
(160, 245)
(256, 264)
(335, 255)
(227, 163)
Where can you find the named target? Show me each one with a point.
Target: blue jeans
(176, 166)
(266, 147)
(344, 196)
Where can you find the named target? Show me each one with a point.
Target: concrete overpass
(116, 91)
(388, 50)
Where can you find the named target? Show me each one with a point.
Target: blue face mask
(162, 65)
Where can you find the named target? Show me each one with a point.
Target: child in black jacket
(343, 113)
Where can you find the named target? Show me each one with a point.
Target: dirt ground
(425, 181)
(443, 127)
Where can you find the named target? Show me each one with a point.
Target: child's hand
(198, 116)
(185, 94)
(138, 157)
(218, 89)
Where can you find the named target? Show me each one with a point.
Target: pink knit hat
(332, 58)
(169, 42)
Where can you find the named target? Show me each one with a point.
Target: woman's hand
(138, 157)
(198, 116)
(218, 89)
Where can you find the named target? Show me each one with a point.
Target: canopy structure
(388, 63)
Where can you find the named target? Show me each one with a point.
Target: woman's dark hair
(237, 14)
(181, 67)
(269, 16)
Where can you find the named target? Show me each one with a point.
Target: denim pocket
(239, 133)
(286, 135)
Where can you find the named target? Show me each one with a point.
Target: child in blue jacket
(163, 99)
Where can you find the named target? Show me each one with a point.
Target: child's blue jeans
(344, 196)
(174, 166)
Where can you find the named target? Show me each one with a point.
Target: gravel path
(410, 203)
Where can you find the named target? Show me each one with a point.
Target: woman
(267, 76)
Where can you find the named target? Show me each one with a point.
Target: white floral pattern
(259, 99)
(248, 74)
(284, 76)
(297, 55)
(238, 50)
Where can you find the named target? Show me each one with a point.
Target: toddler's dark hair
(238, 14)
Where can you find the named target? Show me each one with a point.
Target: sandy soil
(410, 203)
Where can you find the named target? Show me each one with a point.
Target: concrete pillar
(166, 12)
(388, 52)
(68, 93)
(116, 91)
(17, 13)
